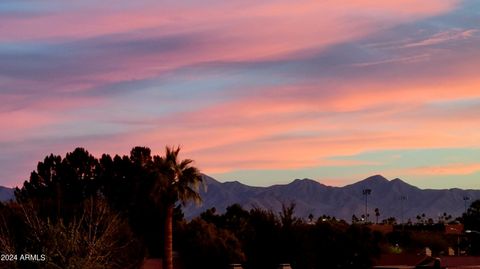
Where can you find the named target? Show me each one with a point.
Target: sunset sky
(262, 92)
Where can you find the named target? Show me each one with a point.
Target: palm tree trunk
(168, 247)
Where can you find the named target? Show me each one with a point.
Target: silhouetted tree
(287, 216)
(310, 218)
(471, 220)
(204, 245)
(176, 181)
(59, 185)
(268, 239)
(263, 244)
(354, 219)
(390, 220)
(96, 238)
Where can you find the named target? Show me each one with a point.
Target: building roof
(454, 229)
(383, 228)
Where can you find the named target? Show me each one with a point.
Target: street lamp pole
(366, 193)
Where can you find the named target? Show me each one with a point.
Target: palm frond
(177, 180)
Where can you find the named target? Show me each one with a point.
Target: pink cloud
(291, 133)
(243, 30)
(32, 118)
(228, 32)
(251, 146)
(285, 131)
(16, 124)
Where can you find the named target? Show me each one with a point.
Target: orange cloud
(291, 133)
(448, 169)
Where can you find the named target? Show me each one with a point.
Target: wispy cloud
(442, 37)
(450, 169)
(401, 60)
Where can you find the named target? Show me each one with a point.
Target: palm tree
(177, 181)
(310, 218)
(377, 214)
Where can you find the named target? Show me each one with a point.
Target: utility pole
(366, 193)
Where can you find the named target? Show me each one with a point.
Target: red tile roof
(455, 229)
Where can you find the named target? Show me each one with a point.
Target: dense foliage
(262, 239)
(60, 186)
(471, 220)
(96, 238)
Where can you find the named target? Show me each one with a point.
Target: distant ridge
(312, 197)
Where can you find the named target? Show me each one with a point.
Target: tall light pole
(366, 193)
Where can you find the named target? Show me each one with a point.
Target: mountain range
(312, 197)
(393, 198)
(6, 194)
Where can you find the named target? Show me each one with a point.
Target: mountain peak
(400, 183)
(370, 182)
(375, 179)
(397, 180)
(234, 183)
(305, 181)
(209, 180)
